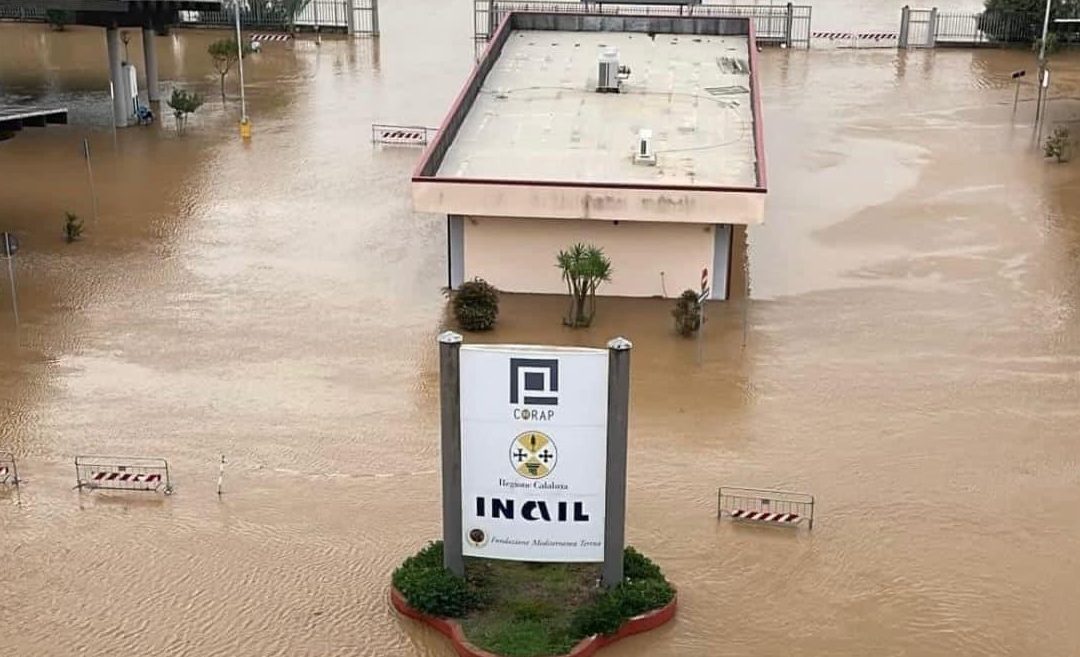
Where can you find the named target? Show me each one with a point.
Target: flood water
(911, 357)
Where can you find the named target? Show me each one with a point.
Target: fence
(786, 24)
(345, 16)
(122, 473)
(23, 14)
(986, 27)
(776, 507)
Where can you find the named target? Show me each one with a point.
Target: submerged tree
(584, 268)
(73, 227)
(225, 53)
(183, 103)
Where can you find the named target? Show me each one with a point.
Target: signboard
(533, 452)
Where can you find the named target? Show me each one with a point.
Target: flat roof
(529, 135)
(538, 115)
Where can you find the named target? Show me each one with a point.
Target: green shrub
(687, 313)
(430, 588)
(476, 305)
(637, 566)
(1058, 145)
(613, 608)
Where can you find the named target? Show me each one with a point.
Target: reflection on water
(911, 358)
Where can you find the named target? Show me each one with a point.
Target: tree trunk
(223, 87)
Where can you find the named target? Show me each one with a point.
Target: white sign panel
(533, 452)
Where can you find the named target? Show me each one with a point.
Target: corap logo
(534, 381)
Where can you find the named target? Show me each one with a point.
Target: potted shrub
(476, 305)
(73, 227)
(584, 268)
(687, 313)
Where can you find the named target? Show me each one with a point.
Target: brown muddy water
(912, 358)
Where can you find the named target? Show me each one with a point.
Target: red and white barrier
(766, 516)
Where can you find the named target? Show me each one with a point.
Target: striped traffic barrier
(122, 473)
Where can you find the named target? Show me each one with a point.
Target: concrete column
(149, 45)
(450, 397)
(905, 25)
(618, 407)
(116, 77)
(374, 17)
(350, 16)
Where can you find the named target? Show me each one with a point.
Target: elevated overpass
(150, 15)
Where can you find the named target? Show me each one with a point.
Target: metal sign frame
(618, 402)
(123, 473)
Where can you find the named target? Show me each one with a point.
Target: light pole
(245, 125)
(1042, 61)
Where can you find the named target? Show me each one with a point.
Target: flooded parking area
(909, 353)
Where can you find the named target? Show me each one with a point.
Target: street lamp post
(245, 128)
(1042, 61)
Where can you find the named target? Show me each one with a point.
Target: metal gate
(918, 27)
(365, 18)
(779, 24)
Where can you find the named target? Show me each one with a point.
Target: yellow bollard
(245, 129)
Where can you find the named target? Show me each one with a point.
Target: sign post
(705, 290)
(450, 396)
(9, 246)
(534, 453)
(615, 511)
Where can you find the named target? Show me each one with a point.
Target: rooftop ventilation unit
(644, 153)
(611, 75)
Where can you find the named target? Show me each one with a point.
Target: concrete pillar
(149, 45)
(116, 77)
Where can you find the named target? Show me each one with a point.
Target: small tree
(584, 268)
(292, 9)
(73, 227)
(224, 54)
(183, 103)
(59, 18)
(1058, 145)
(687, 313)
(476, 305)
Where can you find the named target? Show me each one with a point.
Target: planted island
(520, 609)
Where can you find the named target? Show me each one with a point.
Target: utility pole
(245, 125)
(1042, 62)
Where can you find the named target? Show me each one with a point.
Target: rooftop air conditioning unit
(644, 153)
(610, 74)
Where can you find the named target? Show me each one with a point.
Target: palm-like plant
(584, 268)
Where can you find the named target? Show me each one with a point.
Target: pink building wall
(518, 255)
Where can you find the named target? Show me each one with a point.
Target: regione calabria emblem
(533, 455)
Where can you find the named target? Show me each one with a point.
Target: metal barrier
(782, 24)
(857, 39)
(401, 135)
(345, 16)
(122, 473)
(770, 507)
(9, 470)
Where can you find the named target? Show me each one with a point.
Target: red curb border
(585, 648)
